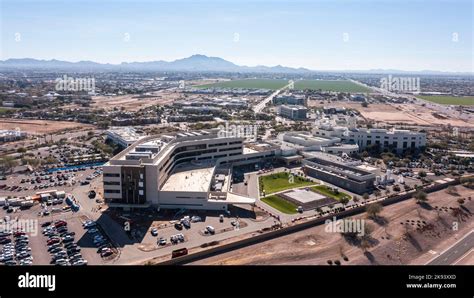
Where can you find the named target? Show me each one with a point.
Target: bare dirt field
(405, 233)
(40, 126)
(134, 102)
(410, 114)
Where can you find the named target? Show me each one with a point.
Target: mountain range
(195, 63)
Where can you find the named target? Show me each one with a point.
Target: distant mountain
(198, 63)
(193, 63)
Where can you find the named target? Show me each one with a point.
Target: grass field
(280, 204)
(449, 100)
(281, 181)
(248, 84)
(324, 85)
(324, 190)
(330, 85)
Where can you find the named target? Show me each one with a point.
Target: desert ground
(40, 126)
(408, 114)
(133, 102)
(404, 233)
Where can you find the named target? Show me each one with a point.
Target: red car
(17, 234)
(53, 241)
(60, 224)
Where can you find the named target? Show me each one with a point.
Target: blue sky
(389, 34)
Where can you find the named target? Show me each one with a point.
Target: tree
(344, 200)
(8, 162)
(373, 210)
(21, 150)
(420, 196)
(452, 190)
(365, 196)
(422, 174)
(377, 193)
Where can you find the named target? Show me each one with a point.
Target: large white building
(392, 139)
(184, 170)
(308, 142)
(123, 136)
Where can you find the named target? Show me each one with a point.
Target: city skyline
(321, 35)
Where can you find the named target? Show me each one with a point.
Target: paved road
(455, 252)
(261, 105)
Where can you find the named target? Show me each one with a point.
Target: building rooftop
(189, 177)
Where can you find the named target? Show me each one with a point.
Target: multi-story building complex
(293, 112)
(307, 142)
(288, 99)
(392, 139)
(182, 170)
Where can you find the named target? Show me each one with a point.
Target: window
(111, 175)
(111, 183)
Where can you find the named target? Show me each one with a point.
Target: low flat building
(346, 176)
(11, 135)
(123, 136)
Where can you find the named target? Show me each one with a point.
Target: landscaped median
(281, 181)
(280, 204)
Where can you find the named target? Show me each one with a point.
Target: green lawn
(280, 204)
(330, 85)
(449, 100)
(324, 85)
(5, 111)
(327, 191)
(248, 84)
(281, 181)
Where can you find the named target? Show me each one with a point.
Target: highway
(261, 105)
(455, 252)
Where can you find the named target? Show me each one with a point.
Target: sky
(319, 35)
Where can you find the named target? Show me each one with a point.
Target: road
(261, 105)
(455, 252)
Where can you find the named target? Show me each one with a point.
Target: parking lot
(192, 227)
(29, 183)
(57, 238)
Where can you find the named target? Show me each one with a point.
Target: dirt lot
(392, 242)
(410, 114)
(40, 126)
(133, 102)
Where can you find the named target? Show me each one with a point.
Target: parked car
(210, 229)
(162, 241)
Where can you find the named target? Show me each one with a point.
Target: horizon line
(259, 65)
